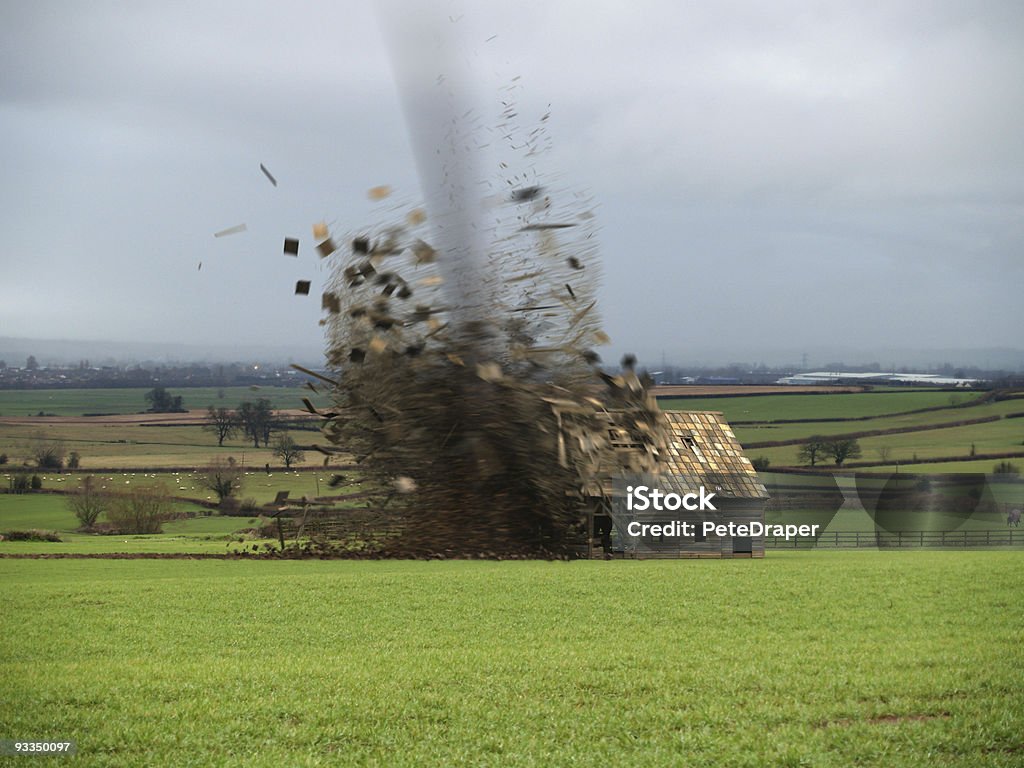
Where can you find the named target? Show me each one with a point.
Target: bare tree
(256, 420)
(88, 502)
(843, 448)
(812, 450)
(884, 453)
(143, 509)
(287, 450)
(221, 477)
(47, 452)
(223, 422)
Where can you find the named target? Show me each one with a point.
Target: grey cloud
(784, 174)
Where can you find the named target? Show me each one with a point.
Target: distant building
(877, 377)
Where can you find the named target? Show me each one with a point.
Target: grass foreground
(810, 658)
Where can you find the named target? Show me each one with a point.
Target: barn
(700, 450)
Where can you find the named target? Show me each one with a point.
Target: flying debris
(326, 248)
(405, 484)
(302, 288)
(291, 246)
(330, 302)
(465, 385)
(268, 174)
(526, 194)
(231, 230)
(537, 227)
(424, 253)
(489, 371)
(200, 266)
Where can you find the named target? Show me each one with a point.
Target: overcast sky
(769, 177)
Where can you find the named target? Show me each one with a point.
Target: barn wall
(729, 510)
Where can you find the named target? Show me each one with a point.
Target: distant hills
(15, 351)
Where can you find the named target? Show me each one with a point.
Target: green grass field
(133, 445)
(1006, 435)
(76, 402)
(796, 406)
(204, 533)
(137, 446)
(819, 658)
(823, 659)
(765, 432)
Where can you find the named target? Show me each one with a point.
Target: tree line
(257, 422)
(839, 449)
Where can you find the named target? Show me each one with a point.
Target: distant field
(50, 511)
(255, 483)
(1006, 435)
(948, 467)
(76, 402)
(765, 432)
(772, 407)
(700, 390)
(811, 658)
(875, 412)
(130, 445)
(107, 443)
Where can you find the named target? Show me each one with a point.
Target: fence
(902, 540)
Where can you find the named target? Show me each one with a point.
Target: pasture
(1003, 436)
(78, 402)
(755, 433)
(818, 406)
(818, 658)
(205, 532)
(914, 437)
(810, 658)
(114, 444)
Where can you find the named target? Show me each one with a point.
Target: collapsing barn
(699, 450)
(475, 404)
